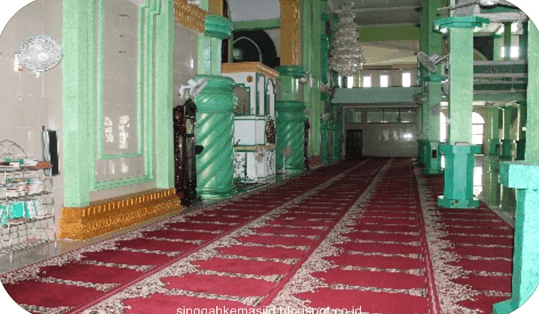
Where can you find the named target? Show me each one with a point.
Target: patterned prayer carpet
(357, 236)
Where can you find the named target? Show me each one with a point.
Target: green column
(215, 132)
(524, 176)
(507, 40)
(290, 121)
(324, 135)
(307, 50)
(521, 143)
(459, 153)
(164, 148)
(429, 137)
(315, 99)
(289, 135)
(337, 133)
(492, 131)
(215, 115)
(336, 144)
(497, 47)
(507, 142)
(78, 99)
(431, 124)
(491, 185)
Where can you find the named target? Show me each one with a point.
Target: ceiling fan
(431, 61)
(194, 87)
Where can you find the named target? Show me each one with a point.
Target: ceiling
(369, 15)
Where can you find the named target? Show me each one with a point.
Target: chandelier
(346, 52)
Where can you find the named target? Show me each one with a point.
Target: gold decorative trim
(81, 223)
(249, 67)
(269, 147)
(189, 15)
(290, 32)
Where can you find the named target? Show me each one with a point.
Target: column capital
(460, 22)
(218, 26)
(519, 175)
(291, 70)
(433, 78)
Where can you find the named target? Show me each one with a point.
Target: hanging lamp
(346, 54)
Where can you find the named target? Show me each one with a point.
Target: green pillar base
(523, 177)
(521, 149)
(422, 151)
(433, 161)
(458, 203)
(504, 307)
(215, 193)
(494, 146)
(458, 176)
(507, 146)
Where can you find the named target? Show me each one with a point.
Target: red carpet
(474, 253)
(352, 236)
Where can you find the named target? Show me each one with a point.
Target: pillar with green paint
(215, 117)
(215, 132)
(459, 153)
(337, 142)
(521, 143)
(492, 131)
(507, 142)
(431, 42)
(324, 135)
(290, 121)
(431, 124)
(524, 176)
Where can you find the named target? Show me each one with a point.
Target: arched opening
(254, 46)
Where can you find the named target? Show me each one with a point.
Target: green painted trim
(374, 95)
(155, 32)
(217, 26)
(433, 78)
(164, 64)
(385, 33)
(257, 24)
(460, 22)
(127, 155)
(100, 65)
(532, 115)
(97, 92)
(99, 74)
(104, 185)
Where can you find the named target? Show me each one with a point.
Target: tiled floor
(486, 187)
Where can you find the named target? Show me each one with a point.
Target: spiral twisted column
(290, 135)
(215, 132)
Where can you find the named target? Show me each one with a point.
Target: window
(353, 115)
(367, 81)
(339, 81)
(478, 129)
(349, 81)
(384, 80)
(515, 51)
(406, 79)
(391, 116)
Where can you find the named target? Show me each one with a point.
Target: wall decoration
(39, 53)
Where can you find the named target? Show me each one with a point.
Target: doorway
(354, 144)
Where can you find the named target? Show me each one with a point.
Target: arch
(258, 47)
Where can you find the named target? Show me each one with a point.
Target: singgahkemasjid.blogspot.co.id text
(265, 310)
